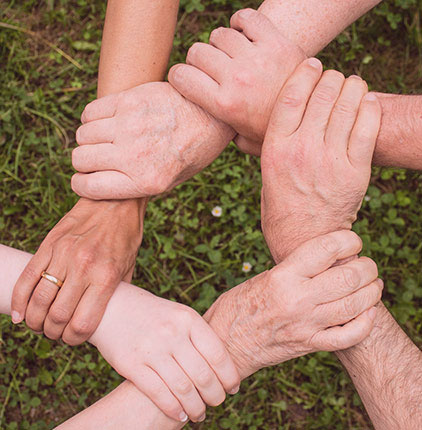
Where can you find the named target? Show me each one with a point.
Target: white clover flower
(367, 198)
(247, 267)
(217, 212)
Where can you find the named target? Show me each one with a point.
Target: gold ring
(52, 279)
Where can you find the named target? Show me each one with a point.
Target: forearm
(386, 369)
(137, 41)
(399, 142)
(313, 24)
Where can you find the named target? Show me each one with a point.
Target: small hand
(317, 155)
(303, 305)
(168, 351)
(238, 76)
(143, 142)
(91, 249)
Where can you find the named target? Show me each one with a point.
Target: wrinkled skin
(238, 75)
(301, 306)
(317, 155)
(143, 142)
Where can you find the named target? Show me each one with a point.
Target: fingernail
(372, 313)
(370, 97)
(234, 390)
(315, 63)
(380, 283)
(202, 418)
(183, 417)
(16, 317)
(355, 77)
(246, 13)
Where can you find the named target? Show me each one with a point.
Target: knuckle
(349, 306)
(42, 297)
(219, 356)
(216, 33)
(345, 109)
(325, 94)
(290, 98)
(329, 244)
(60, 315)
(226, 103)
(85, 257)
(205, 378)
(350, 277)
(183, 386)
(244, 78)
(194, 51)
(81, 327)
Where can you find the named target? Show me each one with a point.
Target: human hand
(238, 75)
(303, 305)
(168, 351)
(91, 249)
(316, 157)
(143, 142)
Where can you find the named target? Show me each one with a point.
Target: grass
(49, 56)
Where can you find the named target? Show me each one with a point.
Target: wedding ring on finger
(52, 279)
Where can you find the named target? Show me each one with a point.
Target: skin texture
(91, 249)
(385, 367)
(285, 325)
(163, 133)
(319, 145)
(96, 243)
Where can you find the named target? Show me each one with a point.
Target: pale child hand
(238, 75)
(168, 351)
(316, 157)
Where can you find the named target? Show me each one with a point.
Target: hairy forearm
(137, 41)
(313, 24)
(386, 369)
(400, 140)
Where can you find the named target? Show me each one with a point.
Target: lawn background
(187, 255)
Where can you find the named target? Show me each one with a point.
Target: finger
(44, 294)
(322, 101)
(248, 146)
(196, 86)
(341, 281)
(320, 253)
(27, 282)
(255, 26)
(215, 63)
(344, 310)
(92, 158)
(365, 132)
(200, 373)
(104, 107)
(88, 314)
(338, 338)
(212, 349)
(182, 388)
(230, 41)
(147, 381)
(101, 131)
(63, 307)
(107, 185)
(291, 104)
(344, 114)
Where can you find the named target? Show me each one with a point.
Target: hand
(301, 306)
(317, 155)
(238, 76)
(91, 249)
(168, 351)
(143, 142)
